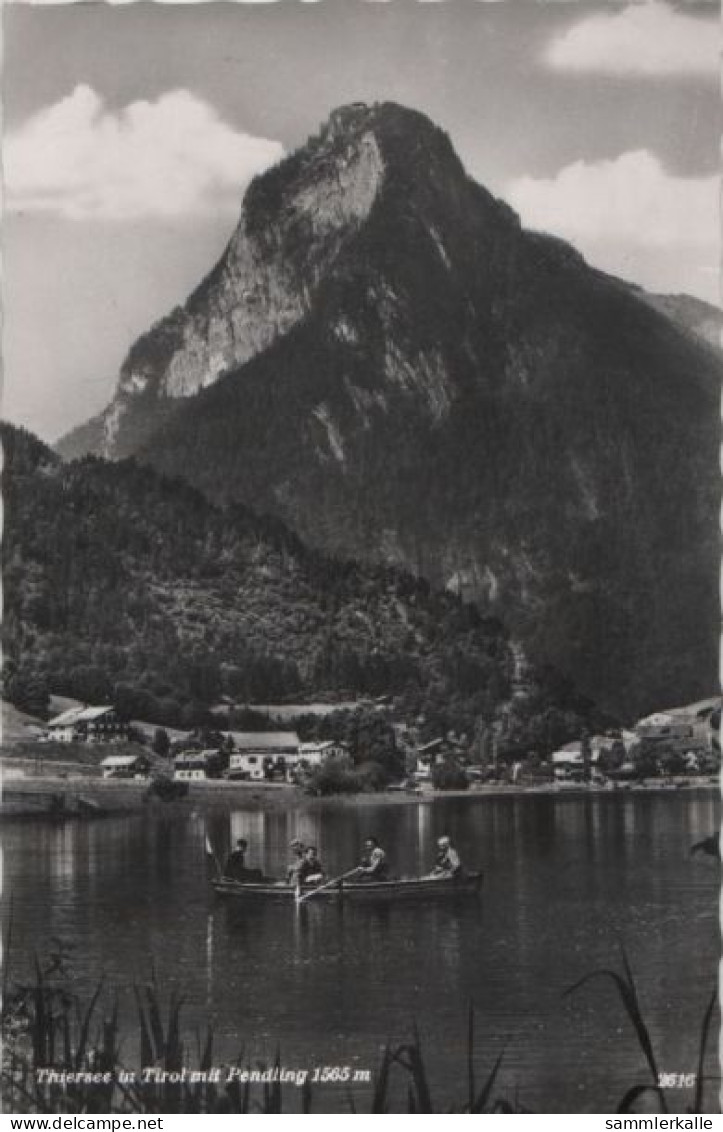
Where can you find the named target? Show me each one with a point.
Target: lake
(568, 881)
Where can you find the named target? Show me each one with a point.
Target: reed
(627, 991)
(45, 1025)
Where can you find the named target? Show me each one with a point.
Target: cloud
(648, 38)
(629, 210)
(630, 197)
(171, 158)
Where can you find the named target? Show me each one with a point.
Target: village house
(87, 725)
(695, 727)
(195, 765)
(568, 759)
(436, 751)
(676, 730)
(314, 754)
(125, 766)
(263, 754)
(708, 720)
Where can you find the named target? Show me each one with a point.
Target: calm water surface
(568, 880)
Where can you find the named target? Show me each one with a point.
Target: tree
(90, 684)
(334, 776)
(28, 690)
(645, 759)
(373, 740)
(613, 757)
(586, 751)
(161, 743)
(204, 680)
(670, 760)
(449, 775)
(194, 714)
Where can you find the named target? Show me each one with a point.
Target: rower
(310, 869)
(297, 849)
(374, 862)
(447, 862)
(235, 867)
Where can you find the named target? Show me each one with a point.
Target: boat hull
(390, 891)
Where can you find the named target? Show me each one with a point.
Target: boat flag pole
(210, 853)
(300, 898)
(209, 960)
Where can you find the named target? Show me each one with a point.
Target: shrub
(449, 775)
(167, 789)
(371, 776)
(335, 776)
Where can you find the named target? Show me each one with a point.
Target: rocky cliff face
(264, 284)
(388, 362)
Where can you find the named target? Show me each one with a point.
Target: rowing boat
(405, 888)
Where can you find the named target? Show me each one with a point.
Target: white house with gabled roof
(87, 725)
(125, 766)
(262, 754)
(314, 754)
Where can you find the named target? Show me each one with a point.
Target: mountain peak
(359, 147)
(382, 118)
(298, 219)
(408, 140)
(385, 360)
(349, 118)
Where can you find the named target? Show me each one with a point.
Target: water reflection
(566, 881)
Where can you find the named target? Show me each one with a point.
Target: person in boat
(310, 870)
(373, 865)
(447, 862)
(709, 845)
(297, 856)
(235, 867)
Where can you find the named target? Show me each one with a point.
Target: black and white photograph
(361, 704)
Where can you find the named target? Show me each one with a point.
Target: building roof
(66, 718)
(79, 715)
(122, 760)
(700, 708)
(264, 740)
(186, 757)
(658, 719)
(323, 745)
(570, 751)
(433, 745)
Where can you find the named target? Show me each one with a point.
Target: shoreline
(22, 792)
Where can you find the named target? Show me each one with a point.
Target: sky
(131, 132)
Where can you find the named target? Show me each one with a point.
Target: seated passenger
(235, 867)
(298, 849)
(374, 862)
(310, 870)
(447, 862)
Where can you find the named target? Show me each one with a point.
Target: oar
(329, 884)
